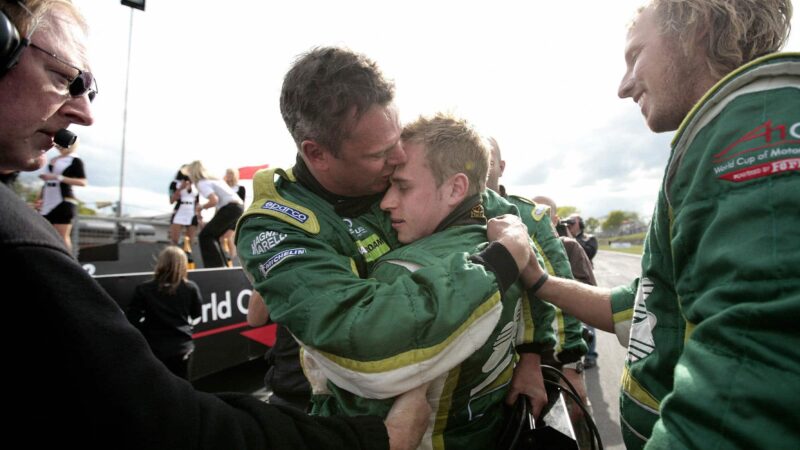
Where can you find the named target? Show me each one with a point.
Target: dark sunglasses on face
(83, 83)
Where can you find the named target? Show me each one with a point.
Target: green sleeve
(494, 205)
(420, 364)
(737, 253)
(364, 326)
(535, 333)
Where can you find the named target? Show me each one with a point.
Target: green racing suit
(466, 394)
(713, 349)
(311, 265)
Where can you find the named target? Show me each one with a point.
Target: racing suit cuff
(622, 300)
(534, 347)
(498, 260)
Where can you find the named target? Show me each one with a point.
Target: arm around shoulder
(359, 325)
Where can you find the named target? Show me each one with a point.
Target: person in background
(232, 178)
(58, 203)
(570, 346)
(582, 270)
(227, 241)
(577, 229)
(112, 391)
(229, 209)
(578, 259)
(186, 212)
(711, 325)
(588, 243)
(166, 309)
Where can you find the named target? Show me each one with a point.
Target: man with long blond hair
(710, 326)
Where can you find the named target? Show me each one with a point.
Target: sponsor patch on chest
(372, 248)
(285, 210)
(354, 229)
(769, 149)
(265, 241)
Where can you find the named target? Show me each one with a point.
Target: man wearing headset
(577, 229)
(80, 373)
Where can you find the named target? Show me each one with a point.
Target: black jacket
(589, 244)
(164, 317)
(79, 374)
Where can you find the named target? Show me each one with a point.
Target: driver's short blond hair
(452, 146)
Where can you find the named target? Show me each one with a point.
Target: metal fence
(91, 231)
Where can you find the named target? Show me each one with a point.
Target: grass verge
(633, 249)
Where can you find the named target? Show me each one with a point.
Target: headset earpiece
(10, 44)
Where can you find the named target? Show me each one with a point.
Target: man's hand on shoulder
(509, 231)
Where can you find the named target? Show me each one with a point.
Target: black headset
(11, 44)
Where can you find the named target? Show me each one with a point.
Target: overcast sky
(205, 78)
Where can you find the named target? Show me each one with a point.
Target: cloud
(617, 166)
(541, 78)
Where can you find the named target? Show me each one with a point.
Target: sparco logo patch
(279, 258)
(286, 211)
(266, 240)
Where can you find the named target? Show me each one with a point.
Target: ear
(315, 155)
(459, 185)
(502, 168)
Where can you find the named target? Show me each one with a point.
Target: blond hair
(171, 269)
(451, 146)
(231, 177)
(734, 32)
(196, 172)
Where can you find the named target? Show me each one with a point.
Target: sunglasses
(83, 83)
